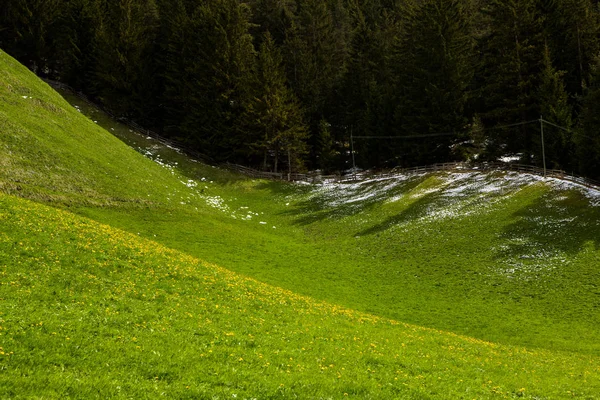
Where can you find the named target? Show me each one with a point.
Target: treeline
(283, 84)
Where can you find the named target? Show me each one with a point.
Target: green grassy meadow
(128, 270)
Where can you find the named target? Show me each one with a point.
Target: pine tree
(361, 88)
(325, 149)
(435, 69)
(572, 28)
(555, 108)
(177, 46)
(273, 16)
(366, 97)
(123, 53)
(587, 138)
(207, 74)
(274, 113)
(77, 28)
(316, 53)
(28, 30)
(510, 73)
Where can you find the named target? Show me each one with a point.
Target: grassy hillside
(526, 271)
(88, 311)
(504, 258)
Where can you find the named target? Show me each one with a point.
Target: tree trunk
(580, 58)
(265, 160)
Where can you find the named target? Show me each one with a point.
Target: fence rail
(349, 177)
(490, 166)
(449, 167)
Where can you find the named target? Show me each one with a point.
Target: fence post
(543, 148)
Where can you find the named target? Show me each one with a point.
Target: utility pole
(352, 150)
(543, 148)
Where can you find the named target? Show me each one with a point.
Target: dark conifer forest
(284, 84)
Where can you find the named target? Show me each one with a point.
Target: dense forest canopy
(283, 84)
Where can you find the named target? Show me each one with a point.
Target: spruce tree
(123, 54)
(274, 113)
(273, 16)
(177, 45)
(367, 94)
(207, 74)
(77, 28)
(572, 28)
(555, 108)
(28, 30)
(435, 68)
(326, 153)
(360, 89)
(316, 53)
(513, 60)
(587, 138)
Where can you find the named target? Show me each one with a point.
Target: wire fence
(353, 176)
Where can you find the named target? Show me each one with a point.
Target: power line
(507, 126)
(406, 137)
(556, 126)
(440, 134)
(447, 133)
(567, 130)
(541, 121)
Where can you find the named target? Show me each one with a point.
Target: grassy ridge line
(90, 311)
(52, 153)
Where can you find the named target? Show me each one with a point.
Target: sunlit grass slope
(505, 257)
(89, 311)
(50, 152)
(500, 257)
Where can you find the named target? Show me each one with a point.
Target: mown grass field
(500, 271)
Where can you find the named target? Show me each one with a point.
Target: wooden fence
(449, 167)
(491, 166)
(348, 177)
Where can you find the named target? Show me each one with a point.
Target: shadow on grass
(550, 224)
(309, 212)
(414, 210)
(319, 207)
(283, 188)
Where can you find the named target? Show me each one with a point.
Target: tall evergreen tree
(316, 53)
(325, 151)
(273, 16)
(77, 28)
(366, 105)
(28, 30)
(123, 54)
(361, 90)
(511, 70)
(274, 112)
(555, 108)
(587, 138)
(177, 45)
(572, 28)
(435, 69)
(207, 74)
